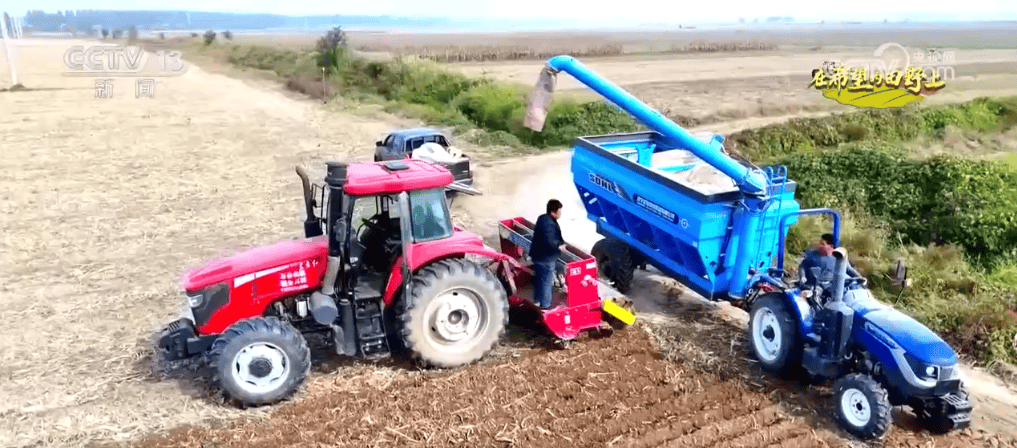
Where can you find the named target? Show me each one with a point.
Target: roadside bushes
(940, 200)
(451, 97)
(888, 125)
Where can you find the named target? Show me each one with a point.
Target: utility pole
(7, 49)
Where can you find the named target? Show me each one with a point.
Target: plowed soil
(606, 390)
(613, 391)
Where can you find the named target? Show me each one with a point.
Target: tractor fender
(792, 299)
(395, 278)
(802, 312)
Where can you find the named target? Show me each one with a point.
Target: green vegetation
(873, 125)
(430, 92)
(953, 220)
(940, 200)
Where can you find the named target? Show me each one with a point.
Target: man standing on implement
(547, 245)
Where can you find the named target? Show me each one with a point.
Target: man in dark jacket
(822, 257)
(547, 245)
(819, 257)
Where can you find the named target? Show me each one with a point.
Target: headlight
(195, 300)
(922, 370)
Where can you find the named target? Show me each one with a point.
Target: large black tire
(258, 348)
(614, 262)
(456, 312)
(861, 406)
(773, 336)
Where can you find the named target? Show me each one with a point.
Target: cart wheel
(614, 262)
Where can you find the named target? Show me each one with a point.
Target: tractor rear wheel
(260, 361)
(774, 337)
(861, 406)
(456, 312)
(614, 262)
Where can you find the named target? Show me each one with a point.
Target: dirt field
(716, 88)
(106, 202)
(614, 391)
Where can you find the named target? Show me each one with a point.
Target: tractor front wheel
(260, 361)
(614, 262)
(862, 406)
(774, 337)
(456, 312)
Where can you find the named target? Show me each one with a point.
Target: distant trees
(332, 48)
(209, 37)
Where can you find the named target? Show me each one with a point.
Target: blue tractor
(680, 203)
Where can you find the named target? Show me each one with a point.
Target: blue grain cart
(659, 204)
(678, 202)
(671, 199)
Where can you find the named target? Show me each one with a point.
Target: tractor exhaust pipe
(836, 317)
(312, 226)
(839, 274)
(335, 178)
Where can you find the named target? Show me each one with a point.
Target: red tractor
(370, 279)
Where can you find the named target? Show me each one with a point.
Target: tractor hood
(255, 260)
(916, 339)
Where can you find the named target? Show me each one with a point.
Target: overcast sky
(632, 11)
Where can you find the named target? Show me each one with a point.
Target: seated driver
(822, 257)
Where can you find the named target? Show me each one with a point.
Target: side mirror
(378, 143)
(901, 275)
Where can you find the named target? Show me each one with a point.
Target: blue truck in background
(677, 201)
(403, 143)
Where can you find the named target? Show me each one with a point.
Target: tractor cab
(371, 212)
(376, 235)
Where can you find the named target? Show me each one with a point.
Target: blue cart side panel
(695, 235)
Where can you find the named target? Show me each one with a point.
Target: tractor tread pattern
(620, 260)
(791, 366)
(270, 325)
(427, 277)
(881, 409)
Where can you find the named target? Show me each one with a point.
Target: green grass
(427, 91)
(874, 125)
(1010, 160)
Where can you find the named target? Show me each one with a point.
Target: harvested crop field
(615, 391)
(621, 390)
